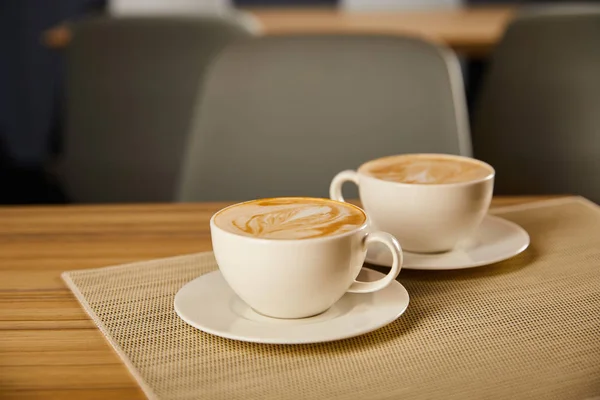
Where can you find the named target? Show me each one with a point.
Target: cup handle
(394, 246)
(335, 189)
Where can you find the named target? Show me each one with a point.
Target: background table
(48, 345)
(470, 31)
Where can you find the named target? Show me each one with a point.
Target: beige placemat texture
(528, 327)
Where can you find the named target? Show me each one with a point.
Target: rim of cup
(362, 226)
(490, 176)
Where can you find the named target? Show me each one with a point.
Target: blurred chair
(537, 121)
(131, 89)
(282, 115)
(170, 7)
(398, 5)
(173, 8)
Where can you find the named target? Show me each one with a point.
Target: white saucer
(496, 240)
(209, 304)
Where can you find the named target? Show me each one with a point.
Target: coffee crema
(426, 169)
(290, 218)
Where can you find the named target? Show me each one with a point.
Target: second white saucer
(209, 304)
(496, 240)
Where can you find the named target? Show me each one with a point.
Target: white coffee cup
(297, 278)
(425, 218)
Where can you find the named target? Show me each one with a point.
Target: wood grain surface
(472, 31)
(49, 348)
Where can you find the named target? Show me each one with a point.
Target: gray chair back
(280, 116)
(131, 88)
(537, 121)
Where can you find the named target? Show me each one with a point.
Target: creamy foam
(426, 169)
(290, 218)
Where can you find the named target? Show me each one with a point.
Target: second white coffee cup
(426, 217)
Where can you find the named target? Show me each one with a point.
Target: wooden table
(48, 345)
(470, 31)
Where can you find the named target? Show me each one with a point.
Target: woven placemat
(528, 327)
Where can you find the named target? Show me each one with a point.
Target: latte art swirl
(426, 169)
(290, 218)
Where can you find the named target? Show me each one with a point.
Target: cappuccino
(429, 202)
(290, 218)
(294, 257)
(426, 169)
